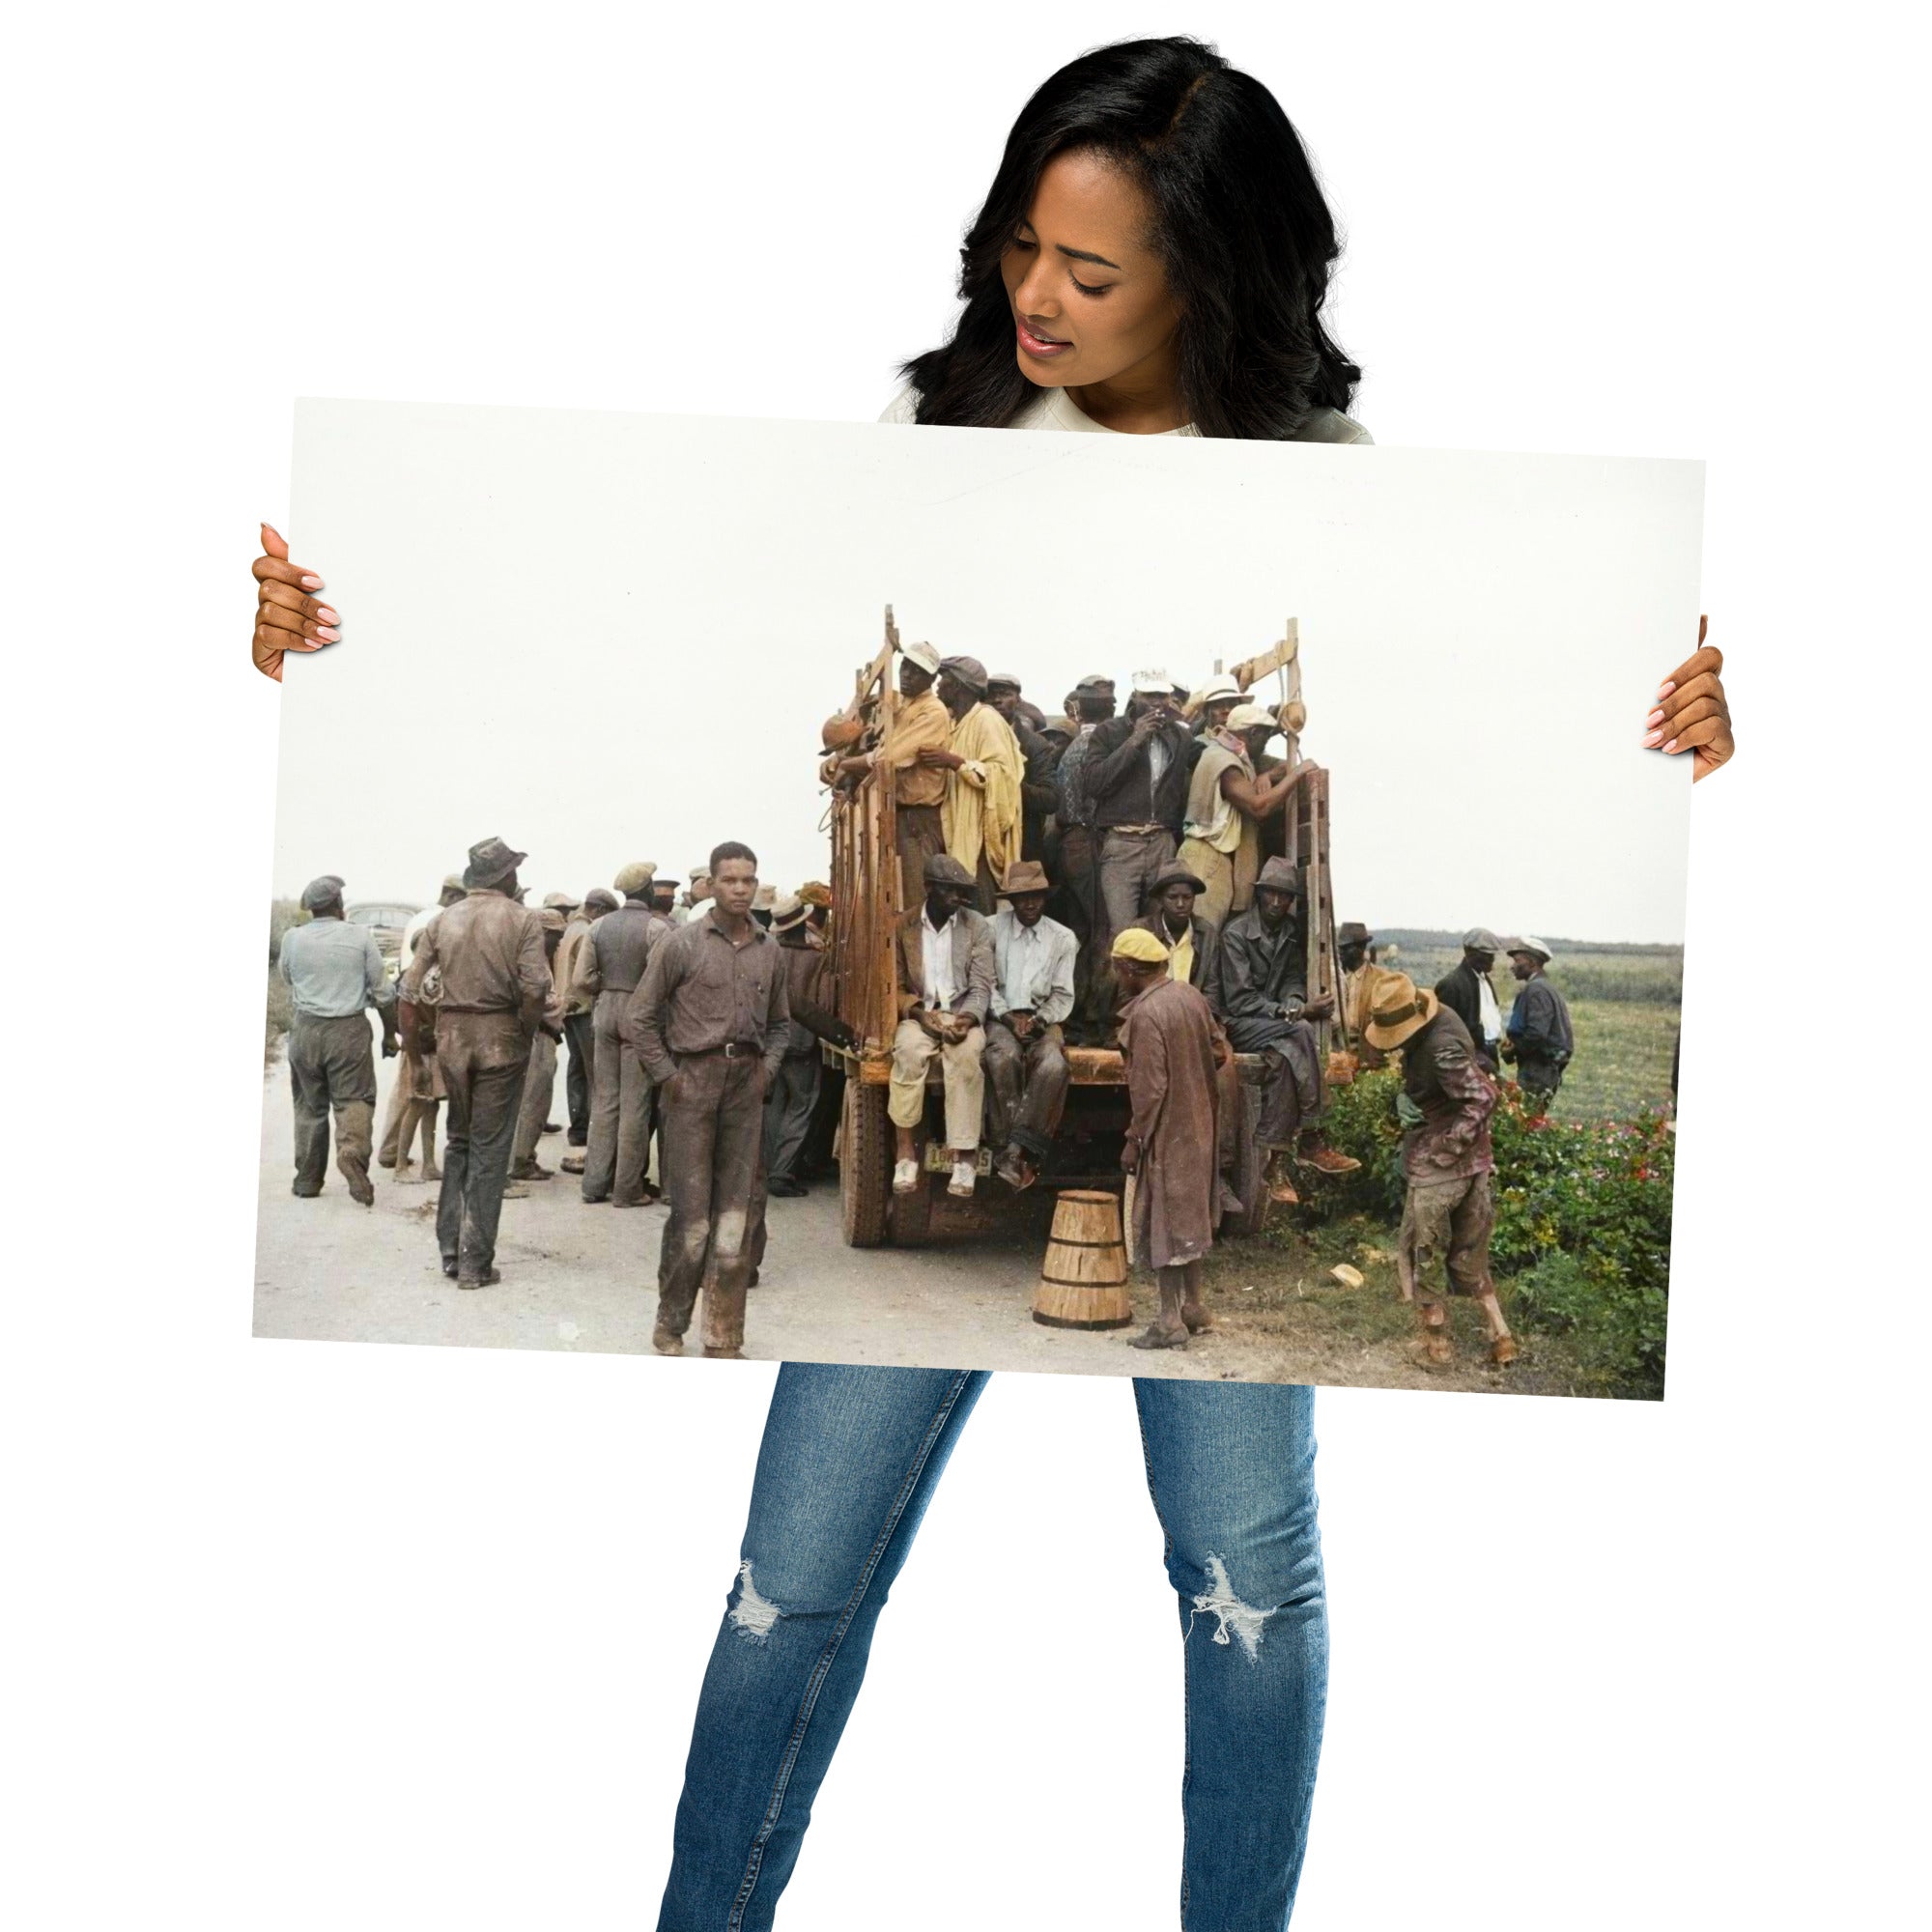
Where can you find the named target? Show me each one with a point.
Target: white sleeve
(903, 408)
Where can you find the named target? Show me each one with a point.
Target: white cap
(1523, 943)
(1216, 691)
(923, 654)
(1245, 717)
(1153, 680)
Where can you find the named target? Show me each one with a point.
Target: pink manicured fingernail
(1653, 738)
(329, 616)
(311, 583)
(1664, 690)
(1672, 745)
(1655, 718)
(327, 636)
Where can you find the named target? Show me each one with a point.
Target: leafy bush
(1582, 1238)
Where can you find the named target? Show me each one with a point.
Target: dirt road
(584, 1277)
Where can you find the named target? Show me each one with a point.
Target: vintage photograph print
(1091, 904)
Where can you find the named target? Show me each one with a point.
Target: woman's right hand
(287, 619)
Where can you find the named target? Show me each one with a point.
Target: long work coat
(1167, 1039)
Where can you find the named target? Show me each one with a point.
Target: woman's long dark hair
(1243, 234)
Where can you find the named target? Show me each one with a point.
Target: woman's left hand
(1690, 712)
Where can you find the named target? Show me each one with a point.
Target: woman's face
(1091, 301)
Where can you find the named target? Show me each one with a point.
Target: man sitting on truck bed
(946, 967)
(1025, 1057)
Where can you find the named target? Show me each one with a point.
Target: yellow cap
(1138, 943)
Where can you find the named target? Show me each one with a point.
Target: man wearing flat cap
(1450, 1209)
(923, 723)
(945, 974)
(580, 1035)
(495, 986)
(981, 812)
(335, 972)
(1174, 1053)
(1538, 1038)
(1266, 1009)
(1136, 774)
(540, 1076)
(609, 969)
(1026, 1066)
(1466, 991)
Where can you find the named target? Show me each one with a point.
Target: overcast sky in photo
(606, 637)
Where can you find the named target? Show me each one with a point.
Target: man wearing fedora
(793, 1097)
(1025, 1061)
(335, 973)
(1037, 757)
(1538, 1038)
(947, 973)
(610, 967)
(579, 1027)
(1467, 992)
(1361, 979)
(1077, 904)
(1450, 1209)
(495, 986)
(1266, 1009)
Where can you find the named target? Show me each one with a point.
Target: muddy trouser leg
(1291, 1098)
(493, 1125)
(580, 1035)
(308, 1090)
(688, 1106)
(1231, 1467)
(849, 1461)
(534, 1107)
(1428, 1239)
(1471, 1223)
(483, 1056)
(1044, 1096)
(351, 1066)
(1004, 1063)
(635, 1104)
(607, 1073)
(788, 1110)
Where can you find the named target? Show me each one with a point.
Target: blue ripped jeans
(849, 1461)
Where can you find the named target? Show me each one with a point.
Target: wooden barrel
(1083, 1282)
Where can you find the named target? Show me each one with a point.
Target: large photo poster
(1091, 904)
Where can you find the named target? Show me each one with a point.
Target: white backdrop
(308, 1637)
(708, 588)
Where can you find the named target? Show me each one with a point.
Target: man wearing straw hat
(1450, 1208)
(919, 790)
(1173, 1052)
(1025, 1059)
(1538, 1038)
(495, 984)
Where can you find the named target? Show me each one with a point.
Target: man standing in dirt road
(1450, 1210)
(495, 984)
(710, 1023)
(394, 1147)
(579, 1031)
(335, 972)
(610, 968)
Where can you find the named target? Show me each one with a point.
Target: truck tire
(909, 1216)
(1249, 1179)
(865, 1164)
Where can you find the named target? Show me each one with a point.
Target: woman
(1151, 259)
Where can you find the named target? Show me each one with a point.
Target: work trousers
(579, 1038)
(390, 1148)
(332, 1069)
(1450, 1222)
(850, 1460)
(1292, 1089)
(713, 1112)
(1077, 907)
(788, 1110)
(1129, 864)
(1538, 1080)
(1026, 1087)
(1215, 869)
(539, 1091)
(482, 1057)
(920, 837)
(961, 1067)
(620, 1109)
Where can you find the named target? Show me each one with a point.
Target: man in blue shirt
(335, 972)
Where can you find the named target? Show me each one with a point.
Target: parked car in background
(386, 920)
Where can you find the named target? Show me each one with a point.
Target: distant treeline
(1583, 969)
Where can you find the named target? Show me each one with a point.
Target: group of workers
(1086, 876)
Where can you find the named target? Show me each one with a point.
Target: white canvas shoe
(964, 1174)
(905, 1177)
